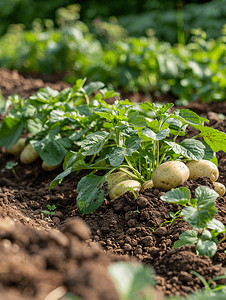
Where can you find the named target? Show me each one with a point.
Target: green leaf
(107, 115)
(57, 115)
(93, 86)
(28, 110)
(206, 235)
(208, 248)
(94, 142)
(10, 131)
(78, 134)
(179, 196)
(44, 95)
(132, 144)
(192, 149)
(60, 177)
(214, 138)
(116, 156)
(162, 110)
(189, 237)
(34, 126)
(175, 125)
(91, 191)
(204, 195)
(198, 219)
(208, 152)
(50, 149)
(217, 225)
(136, 119)
(161, 135)
(187, 116)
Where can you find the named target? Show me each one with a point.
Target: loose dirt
(71, 251)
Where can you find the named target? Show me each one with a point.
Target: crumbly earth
(71, 251)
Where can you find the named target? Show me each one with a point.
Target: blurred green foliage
(189, 71)
(135, 16)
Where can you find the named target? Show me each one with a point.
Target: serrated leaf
(91, 191)
(179, 196)
(208, 248)
(94, 142)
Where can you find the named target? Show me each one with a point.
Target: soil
(72, 252)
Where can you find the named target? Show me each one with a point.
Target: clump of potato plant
(53, 121)
(199, 214)
(137, 139)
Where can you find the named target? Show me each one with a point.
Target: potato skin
(203, 168)
(29, 154)
(17, 147)
(49, 168)
(219, 188)
(147, 185)
(116, 177)
(119, 189)
(170, 174)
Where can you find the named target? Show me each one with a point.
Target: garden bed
(117, 227)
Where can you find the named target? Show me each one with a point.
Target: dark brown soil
(67, 250)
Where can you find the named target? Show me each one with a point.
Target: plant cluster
(199, 214)
(89, 134)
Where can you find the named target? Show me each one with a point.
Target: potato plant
(199, 214)
(136, 139)
(53, 120)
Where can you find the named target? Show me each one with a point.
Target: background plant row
(191, 71)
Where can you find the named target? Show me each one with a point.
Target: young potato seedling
(10, 166)
(50, 211)
(199, 214)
